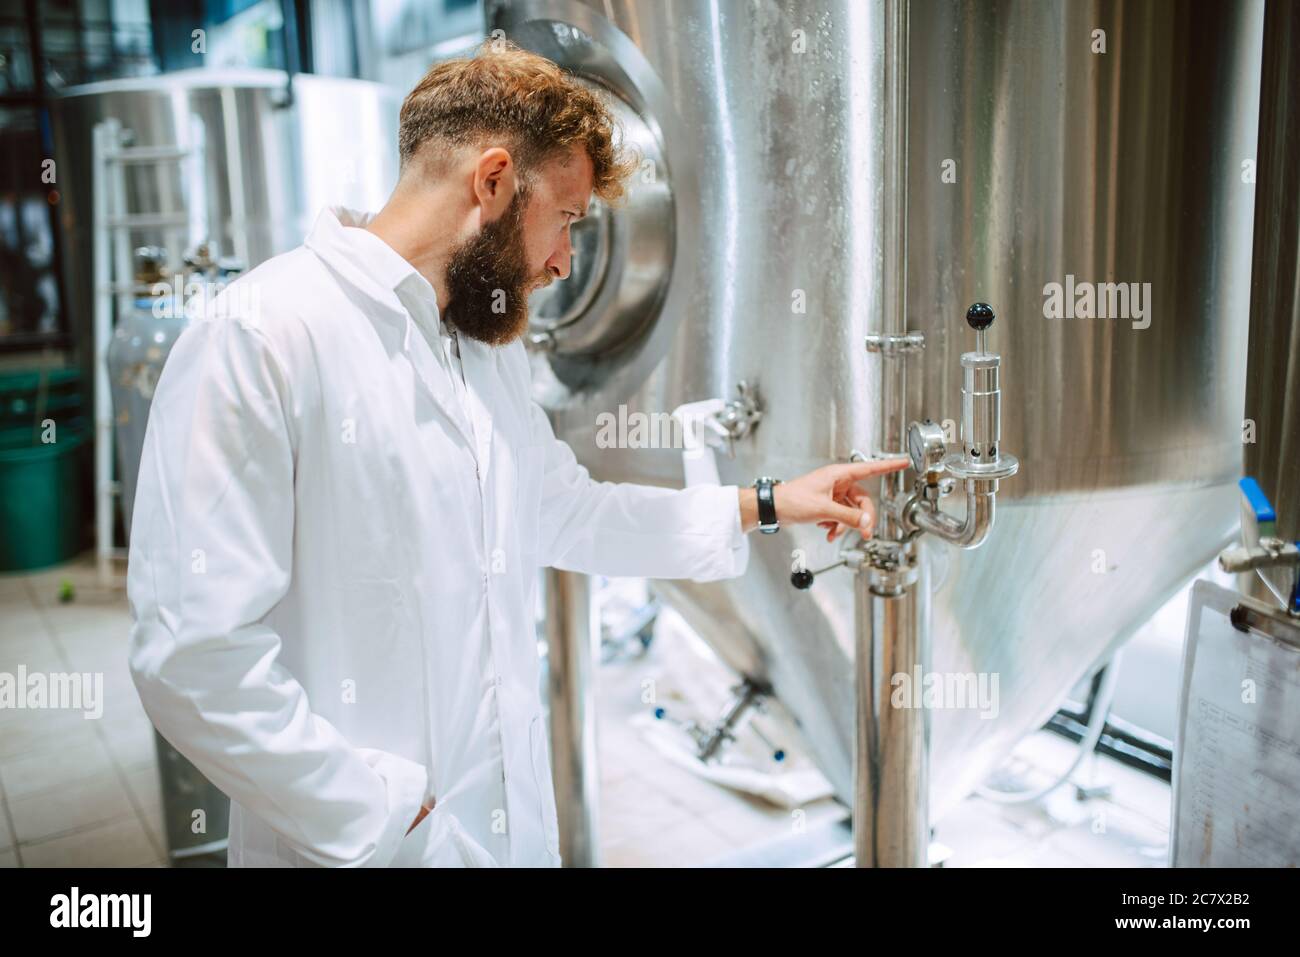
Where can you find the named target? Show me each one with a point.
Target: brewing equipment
(1271, 491)
(143, 338)
(1079, 166)
(141, 341)
(258, 165)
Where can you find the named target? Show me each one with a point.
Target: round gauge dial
(925, 446)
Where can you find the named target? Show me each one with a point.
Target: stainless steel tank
(265, 158)
(1040, 152)
(1272, 409)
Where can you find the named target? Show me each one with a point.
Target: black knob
(980, 316)
(801, 579)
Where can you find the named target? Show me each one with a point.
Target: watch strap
(767, 520)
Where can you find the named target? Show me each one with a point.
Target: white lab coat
(332, 572)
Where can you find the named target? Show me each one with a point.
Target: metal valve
(981, 409)
(802, 578)
(738, 417)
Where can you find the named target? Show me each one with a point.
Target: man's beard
(488, 282)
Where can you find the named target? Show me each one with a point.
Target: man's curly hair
(538, 111)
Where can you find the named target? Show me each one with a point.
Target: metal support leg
(572, 634)
(891, 826)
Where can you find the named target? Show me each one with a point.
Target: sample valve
(892, 586)
(981, 461)
(979, 465)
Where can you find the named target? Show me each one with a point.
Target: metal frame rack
(114, 225)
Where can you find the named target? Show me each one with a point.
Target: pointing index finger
(861, 470)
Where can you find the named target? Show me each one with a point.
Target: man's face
(491, 275)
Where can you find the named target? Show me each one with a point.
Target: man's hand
(829, 496)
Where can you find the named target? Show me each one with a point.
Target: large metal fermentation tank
(1273, 457)
(1122, 166)
(265, 158)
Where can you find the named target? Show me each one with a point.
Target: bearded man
(346, 493)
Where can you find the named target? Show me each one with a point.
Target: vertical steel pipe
(1272, 446)
(572, 633)
(893, 374)
(891, 760)
(891, 822)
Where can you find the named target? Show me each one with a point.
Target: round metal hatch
(622, 259)
(596, 335)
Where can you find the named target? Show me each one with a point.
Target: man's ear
(494, 182)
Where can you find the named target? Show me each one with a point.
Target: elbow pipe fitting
(922, 516)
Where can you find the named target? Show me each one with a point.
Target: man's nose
(559, 263)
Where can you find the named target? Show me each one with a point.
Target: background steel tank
(1272, 406)
(1040, 152)
(266, 156)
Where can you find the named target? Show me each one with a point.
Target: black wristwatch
(767, 523)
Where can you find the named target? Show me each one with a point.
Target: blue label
(1258, 500)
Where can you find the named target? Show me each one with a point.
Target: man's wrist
(748, 509)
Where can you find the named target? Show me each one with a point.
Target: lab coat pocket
(415, 844)
(472, 853)
(542, 772)
(444, 843)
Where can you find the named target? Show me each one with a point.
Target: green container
(20, 392)
(43, 495)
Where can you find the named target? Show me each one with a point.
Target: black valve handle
(802, 578)
(980, 316)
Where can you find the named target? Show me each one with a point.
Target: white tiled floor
(85, 792)
(654, 813)
(1128, 827)
(74, 791)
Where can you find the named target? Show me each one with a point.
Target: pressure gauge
(925, 446)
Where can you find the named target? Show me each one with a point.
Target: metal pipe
(711, 738)
(572, 633)
(866, 741)
(106, 139)
(892, 755)
(893, 375)
(969, 532)
(1269, 553)
(891, 759)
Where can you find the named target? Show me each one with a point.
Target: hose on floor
(1096, 722)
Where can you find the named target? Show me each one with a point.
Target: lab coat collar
(374, 271)
(358, 258)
